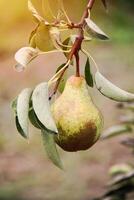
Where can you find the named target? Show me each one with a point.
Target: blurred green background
(25, 171)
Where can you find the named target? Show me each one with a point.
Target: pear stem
(77, 64)
(77, 44)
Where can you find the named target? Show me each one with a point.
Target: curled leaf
(127, 119)
(88, 74)
(23, 109)
(14, 105)
(19, 129)
(55, 37)
(41, 107)
(63, 80)
(94, 30)
(34, 12)
(111, 91)
(33, 118)
(50, 147)
(115, 131)
(24, 56)
(43, 39)
(120, 169)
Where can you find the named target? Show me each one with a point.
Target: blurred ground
(25, 172)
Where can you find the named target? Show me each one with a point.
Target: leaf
(66, 43)
(19, 129)
(41, 107)
(34, 12)
(48, 13)
(33, 119)
(111, 91)
(23, 109)
(63, 80)
(115, 131)
(14, 105)
(25, 55)
(14, 108)
(128, 142)
(120, 169)
(127, 119)
(55, 37)
(43, 38)
(94, 30)
(88, 74)
(51, 150)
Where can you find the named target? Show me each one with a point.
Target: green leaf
(32, 38)
(55, 37)
(88, 74)
(63, 80)
(41, 106)
(33, 119)
(116, 130)
(34, 12)
(66, 43)
(23, 109)
(51, 150)
(43, 38)
(111, 91)
(19, 129)
(94, 30)
(14, 105)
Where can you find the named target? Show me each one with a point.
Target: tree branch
(77, 44)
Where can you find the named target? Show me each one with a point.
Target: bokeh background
(25, 171)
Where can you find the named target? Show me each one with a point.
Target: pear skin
(78, 120)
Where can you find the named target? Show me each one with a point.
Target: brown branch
(77, 44)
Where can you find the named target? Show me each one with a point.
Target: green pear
(78, 120)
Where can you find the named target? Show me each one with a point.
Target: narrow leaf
(94, 30)
(51, 150)
(115, 131)
(25, 55)
(127, 119)
(43, 39)
(120, 169)
(33, 119)
(22, 110)
(63, 80)
(88, 74)
(111, 91)
(19, 129)
(55, 37)
(64, 48)
(14, 105)
(34, 12)
(41, 107)
(128, 142)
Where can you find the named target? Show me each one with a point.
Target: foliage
(122, 175)
(59, 28)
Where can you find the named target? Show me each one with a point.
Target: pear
(78, 120)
